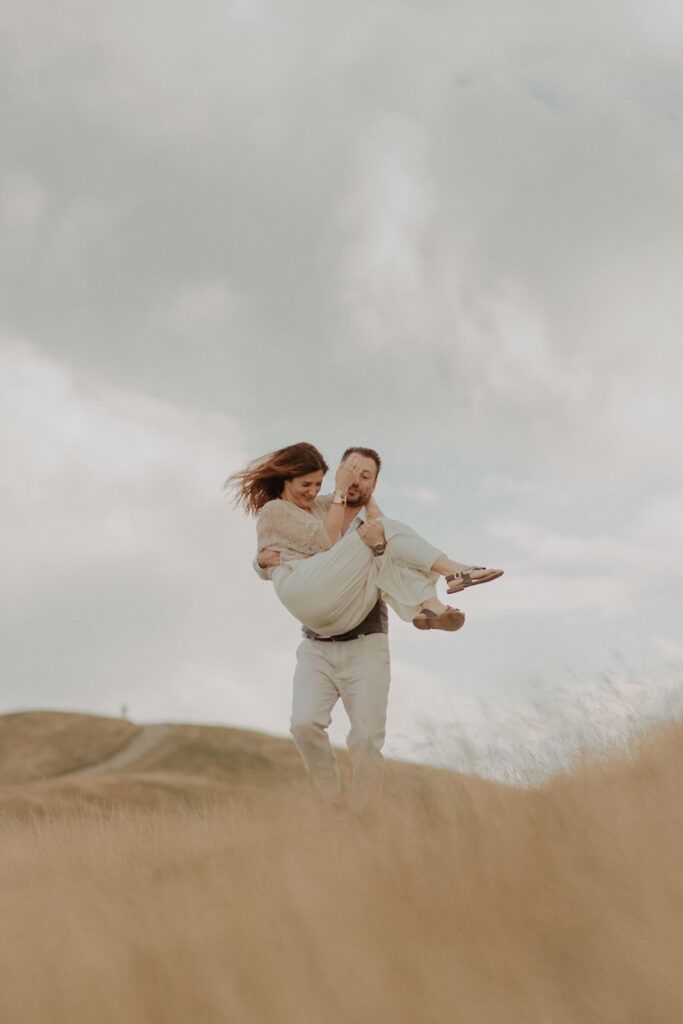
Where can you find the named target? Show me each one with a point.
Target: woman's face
(303, 490)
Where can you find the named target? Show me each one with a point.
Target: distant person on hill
(332, 560)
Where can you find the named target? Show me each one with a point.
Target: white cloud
(609, 596)
(609, 574)
(388, 216)
(23, 201)
(78, 231)
(95, 476)
(425, 495)
(123, 65)
(121, 558)
(511, 237)
(194, 311)
(650, 544)
(418, 494)
(53, 235)
(668, 647)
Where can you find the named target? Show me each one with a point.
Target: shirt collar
(361, 514)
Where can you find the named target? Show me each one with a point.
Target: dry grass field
(202, 884)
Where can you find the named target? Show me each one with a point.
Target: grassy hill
(42, 744)
(43, 754)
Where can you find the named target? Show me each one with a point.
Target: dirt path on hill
(145, 740)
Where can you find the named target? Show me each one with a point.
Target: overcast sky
(450, 231)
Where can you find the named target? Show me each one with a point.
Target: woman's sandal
(450, 620)
(457, 581)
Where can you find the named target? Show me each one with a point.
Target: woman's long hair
(263, 479)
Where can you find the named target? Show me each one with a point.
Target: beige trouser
(333, 591)
(358, 672)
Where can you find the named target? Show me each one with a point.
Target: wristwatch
(379, 549)
(338, 498)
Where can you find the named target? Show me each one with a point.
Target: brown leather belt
(336, 639)
(343, 637)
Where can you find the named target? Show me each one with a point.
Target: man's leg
(364, 685)
(315, 694)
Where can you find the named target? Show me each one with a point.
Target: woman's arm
(373, 509)
(271, 529)
(334, 520)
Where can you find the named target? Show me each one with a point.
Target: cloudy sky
(451, 231)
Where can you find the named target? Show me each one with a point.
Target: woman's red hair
(263, 479)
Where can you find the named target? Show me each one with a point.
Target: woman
(329, 582)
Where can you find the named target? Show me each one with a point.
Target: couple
(334, 561)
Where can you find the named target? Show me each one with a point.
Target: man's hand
(268, 559)
(347, 474)
(371, 534)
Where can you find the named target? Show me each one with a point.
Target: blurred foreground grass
(460, 901)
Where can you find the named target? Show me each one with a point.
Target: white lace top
(290, 530)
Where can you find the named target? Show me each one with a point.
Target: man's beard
(359, 500)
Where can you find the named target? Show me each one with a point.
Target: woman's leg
(459, 576)
(404, 573)
(412, 549)
(412, 561)
(445, 566)
(333, 591)
(409, 548)
(434, 605)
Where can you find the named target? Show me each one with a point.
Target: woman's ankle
(445, 566)
(434, 605)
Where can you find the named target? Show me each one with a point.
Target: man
(353, 666)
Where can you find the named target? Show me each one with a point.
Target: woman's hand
(346, 475)
(268, 558)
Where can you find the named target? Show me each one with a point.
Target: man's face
(360, 493)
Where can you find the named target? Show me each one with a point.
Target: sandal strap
(465, 573)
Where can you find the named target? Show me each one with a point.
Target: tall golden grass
(457, 902)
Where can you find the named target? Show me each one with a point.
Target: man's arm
(372, 533)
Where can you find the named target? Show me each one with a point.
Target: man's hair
(369, 453)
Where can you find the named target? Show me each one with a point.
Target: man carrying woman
(334, 560)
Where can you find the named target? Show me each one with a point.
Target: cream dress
(331, 588)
